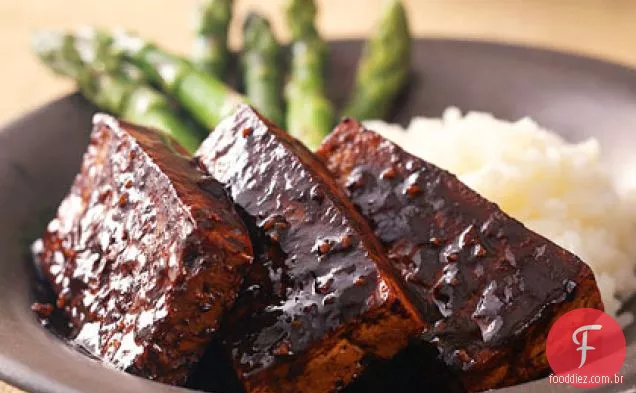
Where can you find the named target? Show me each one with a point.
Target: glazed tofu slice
(487, 287)
(322, 298)
(146, 253)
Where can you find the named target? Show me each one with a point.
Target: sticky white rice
(558, 189)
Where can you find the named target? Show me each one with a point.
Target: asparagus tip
(394, 9)
(126, 42)
(49, 47)
(44, 42)
(254, 17)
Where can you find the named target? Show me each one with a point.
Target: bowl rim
(21, 376)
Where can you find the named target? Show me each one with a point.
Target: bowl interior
(40, 154)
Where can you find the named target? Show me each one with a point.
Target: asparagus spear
(262, 76)
(206, 98)
(309, 113)
(117, 90)
(210, 51)
(384, 66)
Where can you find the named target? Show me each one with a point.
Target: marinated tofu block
(146, 253)
(322, 298)
(487, 287)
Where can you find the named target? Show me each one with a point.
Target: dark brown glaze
(322, 296)
(145, 254)
(487, 287)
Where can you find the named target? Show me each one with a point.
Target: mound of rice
(558, 189)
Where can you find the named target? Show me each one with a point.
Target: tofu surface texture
(487, 288)
(322, 298)
(145, 254)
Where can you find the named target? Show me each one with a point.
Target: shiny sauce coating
(321, 283)
(145, 254)
(487, 287)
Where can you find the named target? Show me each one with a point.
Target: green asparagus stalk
(384, 66)
(262, 76)
(310, 114)
(210, 52)
(206, 98)
(115, 89)
(300, 16)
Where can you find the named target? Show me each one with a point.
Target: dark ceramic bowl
(40, 154)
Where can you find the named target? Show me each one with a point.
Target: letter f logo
(574, 330)
(583, 343)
